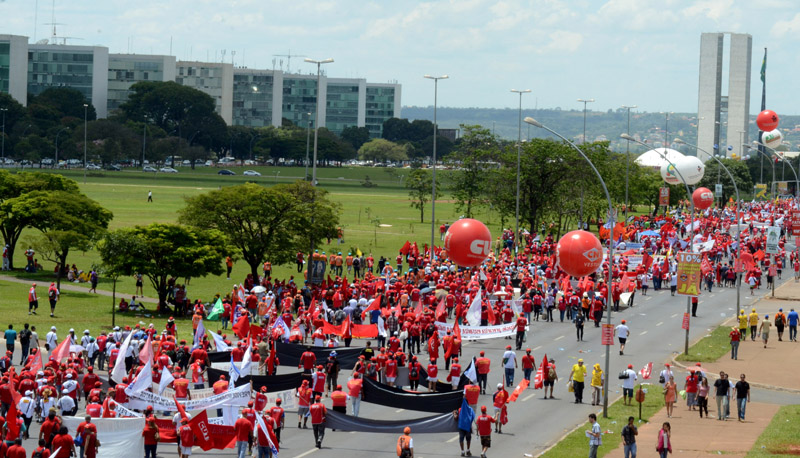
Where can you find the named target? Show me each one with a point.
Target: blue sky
(619, 52)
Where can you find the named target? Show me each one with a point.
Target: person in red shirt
(433, 375)
(484, 426)
(16, 450)
(339, 399)
(149, 433)
(471, 393)
(187, 438)
(307, 361)
(41, 449)
(84, 429)
(354, 391)
(528, 364)
(219, 387)
(318, 413)
(318, 382)
(521, 324)
(455, 373)
(303, 404)
(414, 369)
(66, 443)
(181, 386)
(390, 373)
(261, 399)
(499, 398)
(244, 434)
(279, 416)
(94, 409)
(49, 428)
(483, 365)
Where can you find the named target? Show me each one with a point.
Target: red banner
(795, 223)
(608, 334)
(663, 196)
(359, 331)
(685, 324)
(166, 430)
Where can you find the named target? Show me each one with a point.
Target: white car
(93, 167)
(251, 173)
(167, 170)
(148, 168)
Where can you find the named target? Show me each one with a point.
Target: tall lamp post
(536, 123)
(771, 162)
(85, 114)
(144, 141)
(783, 159)
(738, 230)
(691, 218)
(316, 123)
(519, 148)
(3, 156)
(583, 143)
(308, 141)
(55, 164)
(433, 181)
(627, 158)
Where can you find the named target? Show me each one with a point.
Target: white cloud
(712, 9)
(788, 27)
(635, 15)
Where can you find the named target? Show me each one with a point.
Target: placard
(773, 237)
(663, 196)
(608, 334)
(685, 324)
(689, 273)
(796, 223)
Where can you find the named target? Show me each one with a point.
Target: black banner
(272, 382)
(378, 393)
(435, 424)
(289, 355)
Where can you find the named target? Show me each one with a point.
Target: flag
(456, 331)
(119, 371)
(646, 371)
(465, 416)
(764, 67)
(55, 453)
(216, 311)
(166, 379)
(441, 311)
(374, 305)
(61, 351)
(523, 385)
(538, 381)
(269, 434)
(233, 372)
(280, 324)
(405, 248)
(244, 367)
(490, 315)
(143, 381)
(199, 333)
(37, 364)
(11, 414)
(474, 311)
(470, 373)
(146, 354)
(219, 342)
(242, 327)
(200, 428)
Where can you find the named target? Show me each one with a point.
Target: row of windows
(59, 57)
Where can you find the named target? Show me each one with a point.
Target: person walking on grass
(594, 435)
(664, 444)
(763, 330)
(627, 385)
(629, 433)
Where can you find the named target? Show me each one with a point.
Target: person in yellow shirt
(597, 385)
(577, 377)
(753, 318)
(743, 324)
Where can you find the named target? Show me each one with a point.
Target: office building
(716, 111)
(125, 70)
(14, 67)
(215, 79)
(253, 95)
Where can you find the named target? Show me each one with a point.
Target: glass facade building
(341, 108)
(215, 79)
(125, 70)
(14, 67)
(380, 106)
(299, 98)
(5, 66)
(252, 97)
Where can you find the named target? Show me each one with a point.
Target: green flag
(764, 66)
(216, 311)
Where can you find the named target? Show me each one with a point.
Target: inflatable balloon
(468, 242)
(668, 174)
(691, 169)
(767, 120)
(702, 198)
(772, 138)
(579, 253)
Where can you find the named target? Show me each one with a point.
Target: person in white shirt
(665, 374)
(509, 363)
(27, 406)
(92, 351)
(51, 341)
(66, 404)
(85, 339)
(622, 332)
(628, 384)
(70, 386)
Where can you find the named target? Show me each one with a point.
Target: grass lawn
(781, 437)
(577, 444)
(710, 348)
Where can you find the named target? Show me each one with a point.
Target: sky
(618, 52)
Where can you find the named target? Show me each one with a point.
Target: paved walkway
(693, 437)
(77, 287)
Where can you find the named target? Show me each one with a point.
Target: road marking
(537, 348)
(659, 323)
(306, 453)
(528, 397)
(643, 333)
(673, 316)
(399, 410)
(648, 298)
(449, 441)
(558, 338)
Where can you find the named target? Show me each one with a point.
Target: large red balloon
(702, 198)
(767, 120)
(579, 253)
(468, 242)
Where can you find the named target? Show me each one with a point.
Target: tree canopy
(380, 150)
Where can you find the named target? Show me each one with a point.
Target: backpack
(624, 375)
(38, 454)
(413, 372)
(180, 354)
(371, 372)
(402, 447)
(52, 293)
(551, 374)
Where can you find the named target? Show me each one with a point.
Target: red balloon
(702, 198)
(767, 120)
(579, 253)
(468, 242)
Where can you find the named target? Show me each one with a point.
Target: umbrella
(258, 290)
(649, 234)
(425, 290)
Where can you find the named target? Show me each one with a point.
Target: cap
(697, 364)
(278, 401)
(630, 366)
(623, 321)
(86, 331)
(406, 430)
(499, 385)
(28, 393)
(69, 375)
(667, 364)
(264, 389)
(318, 398)
(333, 353)
(52, 328)
(483, 409)
(508, 347)
(527, 350)
(482, 353)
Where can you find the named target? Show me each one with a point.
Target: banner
(317, 274)
(378, 393)
(123, 412)
(663, 196)
(718, 190)
(478, 332)
(358, 331)
(783, 188)
(795, 223)
(685, 323)
(444, 423)
(608, 334)
(689, 274)
(120, 437)
(274, 383)
(289, 355)
(233, 397)
(773, 237)
(760, 190)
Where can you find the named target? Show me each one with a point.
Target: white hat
(40, 373)
(86, 331)
(28, 393)
(499, 385)
(65, 391)
(71, 329)
(69, 375)
(116, 328)
(52, 328)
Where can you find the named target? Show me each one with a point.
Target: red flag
(646, 371)
(347, 332)
(504, 414)
(406, 247)
(418, 311)
(441, 311)
(705, 265)
(37, 364)
(647, 260)
(490, 314)
(242, 327)
(523, 385)
(759, 255)
(375, 305)
(147, 352)
(312, 308)
(433, 346)
(202, 431)
(181, 409)
(538, 381)
(11, 416)
(747, 261)
(62, 350)
(456, 331)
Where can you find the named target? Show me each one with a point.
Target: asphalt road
(536, 423)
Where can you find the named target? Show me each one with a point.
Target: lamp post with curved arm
(783, 159)
(738, 230)
(769, 159)
(536, 123)
(691, 219)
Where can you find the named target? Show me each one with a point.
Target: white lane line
(643, 333)
(659, 323)
(528, 397)
(648, 298)
(558, 338)
(537, 348)
(306, 453)
(399, 410)
(450, 441)
(673, 316)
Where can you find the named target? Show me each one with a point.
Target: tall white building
(14, 67)
(215, 79)
(125, 70)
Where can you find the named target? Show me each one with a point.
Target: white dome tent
(654, 158)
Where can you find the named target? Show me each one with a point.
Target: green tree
(266, 223)
(355, 136)
(160, 251)
(380, 150)
(65, 101)
(740, 172)
(67, 221)
(420, 184)
(475, 154)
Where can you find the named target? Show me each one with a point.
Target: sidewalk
(69, 286)
(695, 437)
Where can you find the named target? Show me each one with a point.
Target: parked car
(251, 173)
(227, 160)
(148, 168)
(93, 167)
(167, 170)
(114, 168)
(186, 163)
(209, 163)
(226, 172)
(249, 162)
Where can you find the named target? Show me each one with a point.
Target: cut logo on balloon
(481, 248)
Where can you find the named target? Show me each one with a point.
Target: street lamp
(3, 157)
(627, 158)
(55, 164)
(144, 141)
(536, 123)
(738, 236)
(783, 159)
(771, 162)
(666, 128)
(519, 147)
(251, 144)
(316, 123)
(85, 118)
(433, 186)
(584, 101)
(308, 139)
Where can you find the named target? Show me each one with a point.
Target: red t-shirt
(16, 451)
(181, 386)
(149, 433)
(528, 362)
(484, 423)
(63, 441)
(318, 412)
(45, 452)
(187, 436)
(391, 368)
(243, 429)
(319, 382)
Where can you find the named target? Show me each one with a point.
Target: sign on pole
(608, 334)
(663, 196)
(685, 324)
(796, 223)
(773, 237)
(718, 190)
(689, 273)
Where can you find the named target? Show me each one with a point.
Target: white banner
(773, 238)
(119, 437)
(233, 397)
(122, 411)
(478, 332)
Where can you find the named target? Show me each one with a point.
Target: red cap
(264, 389)
(483, 409)
(508, 347)
(630, 366)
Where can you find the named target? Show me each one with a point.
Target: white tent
(653, 158)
